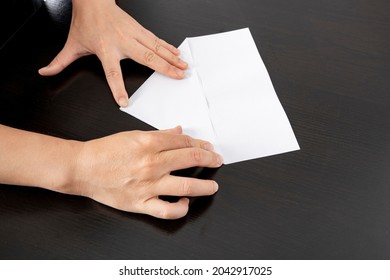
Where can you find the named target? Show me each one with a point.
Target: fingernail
(179, 128)
(216, 187)
(43, 69)
(183, 64)
(123, 102)
(208, 147)
(179, 73)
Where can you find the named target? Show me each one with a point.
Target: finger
(148, 35)
(176, 130)
(171, 48)
(149, 58)
(167, 210)
(184, 141)
(65, 57)
(163, 49)
(174, 140)
(189, 157)
(184, 186)
(113, 72)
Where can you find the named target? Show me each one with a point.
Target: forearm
(32, 159)
(127, 171)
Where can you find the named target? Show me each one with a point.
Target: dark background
(329, 62)
(13, 14)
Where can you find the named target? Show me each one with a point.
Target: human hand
(130, 170)
(101, 27)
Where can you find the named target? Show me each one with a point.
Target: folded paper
(226, 98)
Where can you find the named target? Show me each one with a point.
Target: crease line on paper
(195, 72)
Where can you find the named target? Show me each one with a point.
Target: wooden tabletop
(329, 62)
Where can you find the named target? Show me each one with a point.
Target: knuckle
(163, 42)
(102, 46)
(188, 141)
(152, 159)
(142, 31)
(149, 163)
(157, 45)
(149, 139)
(112, 74)
(149, 57)
(197, 155)
(186, 188)
(149, 166)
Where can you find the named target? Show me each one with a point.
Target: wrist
(67, 181)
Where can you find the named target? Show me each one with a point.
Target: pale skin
(102, 28)
(130, 170)
(127, 171)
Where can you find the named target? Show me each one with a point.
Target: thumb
(65, 57)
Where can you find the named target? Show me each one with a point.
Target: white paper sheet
(227, 98)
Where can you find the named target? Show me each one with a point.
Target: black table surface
(329, 61)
